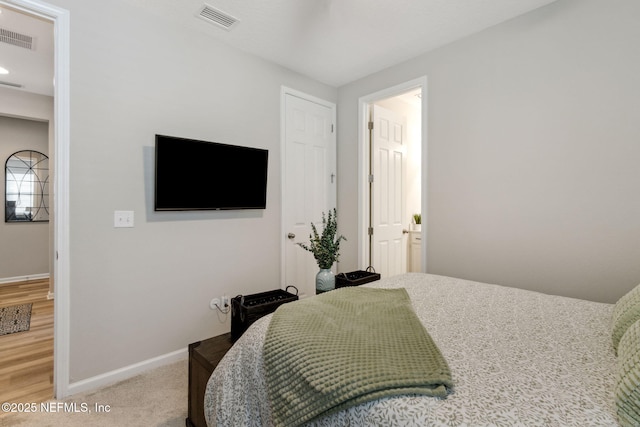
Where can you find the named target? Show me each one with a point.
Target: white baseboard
(127, 372)
(24, 278)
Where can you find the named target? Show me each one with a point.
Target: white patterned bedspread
(518, 358)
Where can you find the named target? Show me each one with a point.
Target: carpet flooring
(157, 398)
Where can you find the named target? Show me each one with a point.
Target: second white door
(388, 216)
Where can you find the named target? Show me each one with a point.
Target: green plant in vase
(417, 220)
(325, 248)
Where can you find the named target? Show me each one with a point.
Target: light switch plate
(123, 219)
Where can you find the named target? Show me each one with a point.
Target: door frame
(284, 91)
(364, 113)
(61, 135)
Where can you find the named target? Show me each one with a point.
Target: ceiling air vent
(16, 39)
(217, 17)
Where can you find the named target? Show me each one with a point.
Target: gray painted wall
(532, 181)
(24, 250)
(138, 293)
(533, 151)
(20, 104)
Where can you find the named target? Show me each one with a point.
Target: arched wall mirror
(26, 187)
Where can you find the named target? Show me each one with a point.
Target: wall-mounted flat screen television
(201, 175)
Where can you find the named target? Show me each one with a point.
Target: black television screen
(200, 175)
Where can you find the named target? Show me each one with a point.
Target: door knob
(405, 231)
(291, 236)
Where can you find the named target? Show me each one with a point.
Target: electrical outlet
(225, 301)
(213, 303)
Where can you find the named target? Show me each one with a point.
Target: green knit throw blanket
(346, 347)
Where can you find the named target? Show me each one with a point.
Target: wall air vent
(16, 39)
(217, 17)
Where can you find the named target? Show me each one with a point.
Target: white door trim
(364, 104)
(61, 36)
(284, 91)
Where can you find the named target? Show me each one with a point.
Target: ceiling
(332, 41)
(30, 68)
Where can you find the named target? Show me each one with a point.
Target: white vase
(325, 280)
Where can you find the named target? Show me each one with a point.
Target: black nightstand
(204, 356)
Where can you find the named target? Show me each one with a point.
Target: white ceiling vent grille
(16, 39)
(217, 17)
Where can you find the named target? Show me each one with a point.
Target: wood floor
(26, 358)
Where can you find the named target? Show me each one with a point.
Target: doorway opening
(392, 181)
(26, 144)
(59, 270)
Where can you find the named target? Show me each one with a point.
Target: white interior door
(309, 182)
(388, 197)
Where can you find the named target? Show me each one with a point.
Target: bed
(517, 358)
